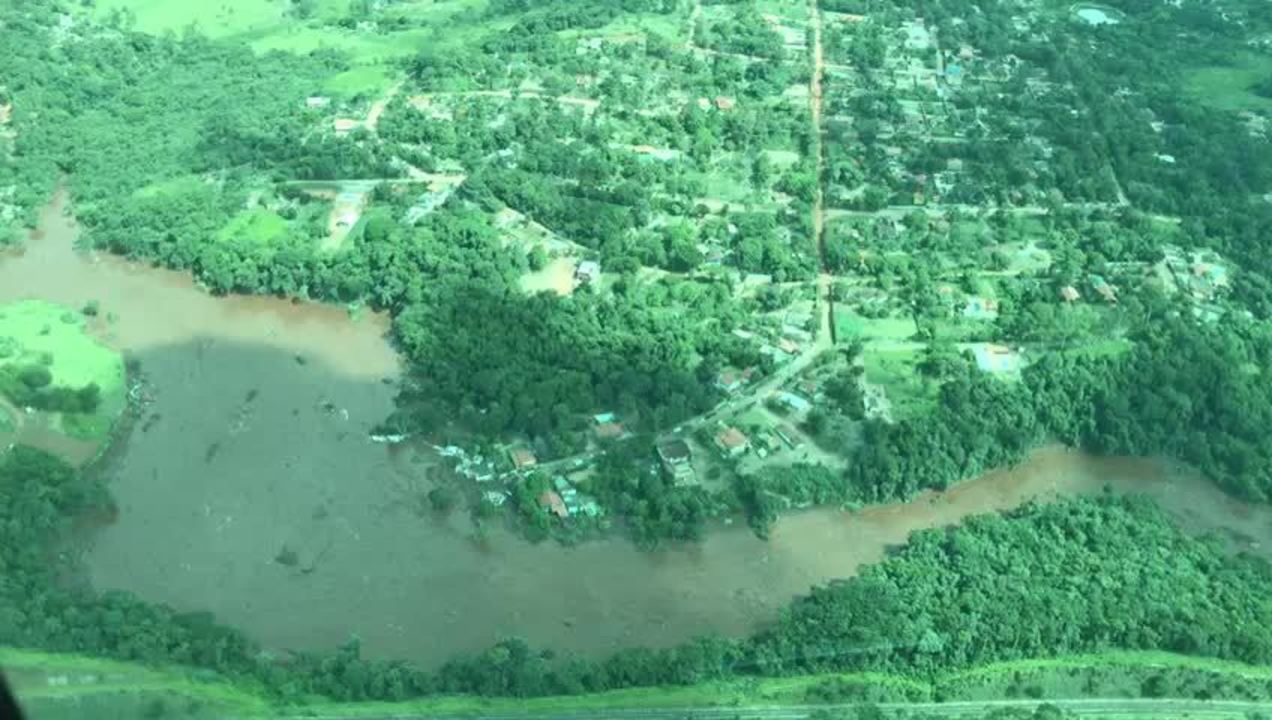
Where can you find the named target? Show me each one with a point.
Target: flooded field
(249, 488)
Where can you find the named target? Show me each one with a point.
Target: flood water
(247, 455)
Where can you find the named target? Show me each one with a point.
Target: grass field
(895, 370)
(34, 332)
(255, 226)
(849, 325)
(1227, 87)
(269, 25)
(215, 18)
(47, 682)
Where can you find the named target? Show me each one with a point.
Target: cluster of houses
(1201, 275)
(565, 501)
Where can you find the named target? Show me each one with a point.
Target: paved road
(1163, 709)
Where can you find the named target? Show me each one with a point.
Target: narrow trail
(824, 284)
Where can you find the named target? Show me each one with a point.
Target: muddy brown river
(247, 451)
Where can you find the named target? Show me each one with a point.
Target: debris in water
(287, 557)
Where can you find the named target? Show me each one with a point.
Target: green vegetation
(1234, 85)
(1036, 229)
(49, 361)
(998, 588)
(1133, 674)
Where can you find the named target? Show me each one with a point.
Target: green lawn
(361, 80)
(850, 325)
(38, 332)
(215, 18)
(896, 371)
(1227, 87)
(256, 226)
(112, 686)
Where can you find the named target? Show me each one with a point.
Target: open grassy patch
(38, 333)
(896, 371)
(48, 682)
(360, 80)
(1229, 87)
(256, 226)
(215, 18)
(849, 325)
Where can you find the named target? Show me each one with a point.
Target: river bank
(255, 447)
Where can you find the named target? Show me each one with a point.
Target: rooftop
(731, 438)
(674, 451)
(523, 458)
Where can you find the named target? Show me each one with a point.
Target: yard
(896, 371)
(850, 326)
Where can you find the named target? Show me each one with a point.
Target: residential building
(551, 502)
(793, 401)
(724, 103)
(732, 442)
(676, 459)
(610, 431)
(317, 102)
(996, 358)
(587, 271)
(980, 308)
(730, 380)
(344, 126)
(522, 458)
(1070, 294)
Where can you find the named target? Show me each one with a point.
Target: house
(551, 502)
(317, 102)
(704, 104)
(730, 380)
(793, 401)
(344, 126)
(979, 308)
(787, 346)
(676, 458)
(1069, 294)
(610, 430)
(523, 458)
(731, 442)
(1104, 289)
(495, 497)
(602, 418)
(996, 358)
(587, 271)
(724, 103)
